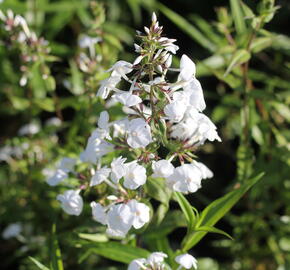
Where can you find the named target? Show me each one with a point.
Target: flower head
(139, 133)
(71, 202)
(187, 261)
(135, 175)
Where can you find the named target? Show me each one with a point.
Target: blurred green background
(55, 94)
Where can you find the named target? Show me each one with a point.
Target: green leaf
(55, 253)
(38, 264)
(76, 79)
(157, 189)
(97, 237)
(240, 56)
(212, 230)
(19, 103)
(238, 16)
(260, 44)
(217, 209)
(118, 252)
(45, 104)
(188, 28)
(186, 209)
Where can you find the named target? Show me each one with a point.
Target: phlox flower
(71, 202)
(141, 213)
(186, 179)
(99, 213)
(187, 261)
(139, 133)
(162, 168)
(135, 175)
(100, 176)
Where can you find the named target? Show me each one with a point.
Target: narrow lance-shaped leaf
(216, 210)
(38, 264)
(116, 251)
(239, 57)
(238, 16)
(186, 209)
(55, 253)
(212, 230)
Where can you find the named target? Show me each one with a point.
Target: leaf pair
(199, 226)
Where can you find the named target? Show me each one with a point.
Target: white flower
(205, 171)
(139, 133)
(54, 121)
(156, 258)
(71, 202)
(175, 111)
(187, 69)
(162, 168)
(107, 85)
(96, 148)
(120, 127)
(172, 48)
(103, 121)
(206, 130)
(57, 177)
(137, 264)
(99, 213)
(29, 129)
(100, 176)
(184, 129)
(196, 127)
(195, 94)
(67, 164)
(118, 169)
(128, 99)
(187, 261)
(12, 230)
(135, 175)
(141, 213)
(121, 68)
(87, 41)
(186, 179)
(119, 220)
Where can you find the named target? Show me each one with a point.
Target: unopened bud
(146, 29)
(157, 54)
(159, 68)
(23, 81)
(154, 17)
(137, 48)
(168, 62)
(138, 60)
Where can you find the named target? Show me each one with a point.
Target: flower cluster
(159, 114)
(155, 261)
(33, 49)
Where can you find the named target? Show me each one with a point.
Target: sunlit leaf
(217, 209)
(38, 264)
